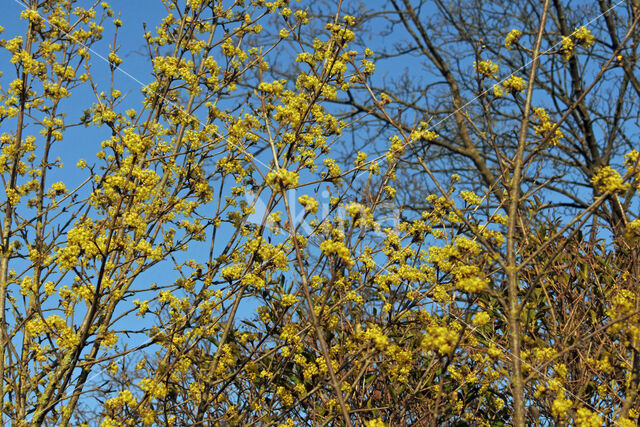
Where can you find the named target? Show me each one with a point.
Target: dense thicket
(270, 232)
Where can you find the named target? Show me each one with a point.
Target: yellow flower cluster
(544, 126)
(486, 68)
(29, 64)
(66, 337)
(340, 34)
(309, 203)
(472, 284)
(567, 47)
(607, 179)
(114, 59)
(623, 304)
(481, 318)
(471, 198)
(513, 84)
(332, 247)
(584, 37)
(124, 398)
(423, 133)
(288, 300)
(282, 179)
(233, 272)
(581, 37)
(561, 404)
(632, 230)
(275, 87)
(361, 214)
(135, 142)
(632, 162)
(156, 389)
(512, 38)
(333, 170)
(80, 240)
(170, 67)
(440, 338)
(361, 159)
(586, 418)
(626, 422)
(274, 255)
(375, 335)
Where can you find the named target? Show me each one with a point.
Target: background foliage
(270, 232)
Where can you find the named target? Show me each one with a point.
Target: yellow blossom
(282, 179)
(486, 68)
(513, 84)
(544, 125)
(481, 318)
(512, 38)
(607, 179)
(586, 418)
(584, 37)
(567, 47)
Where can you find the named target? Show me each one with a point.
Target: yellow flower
(440, 338)
(625, 422)
(309, 203)
(375, 335)
(288, 300)
(586, 418)
(331, 247)
(472, 284)
(59, 188)
(584, 37)
(481, 318)
(545, 125)
(513, 84)
(486, 68)
(567, 47)
(114, 59)
(561, 405)
(632, 231)
(471, 198)
(608, 179)
(498, 91)
(282, 179)
(512, 38)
